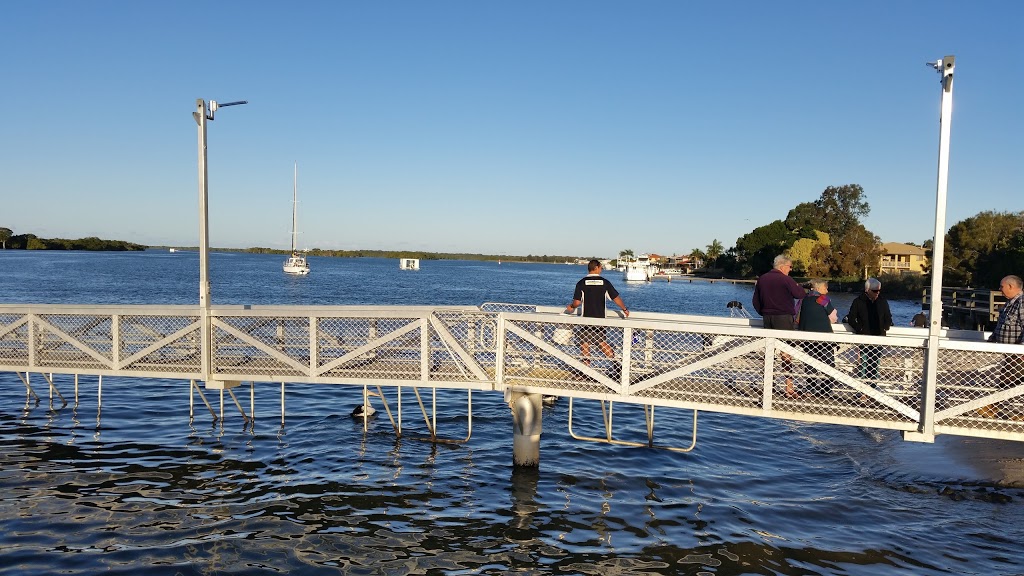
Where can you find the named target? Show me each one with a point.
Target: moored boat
(296, 263)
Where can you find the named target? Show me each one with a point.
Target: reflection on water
(145, 490)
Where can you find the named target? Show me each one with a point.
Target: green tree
(856, 256)
(5, 235)
(973, 242)
(697, 257)
(715, 250)
(802, 254)
(840, 209)
(627, 253)
(805, 215)
(1001, 262)
(755, 250)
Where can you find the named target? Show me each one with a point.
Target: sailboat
(296, 263)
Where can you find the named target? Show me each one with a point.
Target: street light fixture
(202, 115)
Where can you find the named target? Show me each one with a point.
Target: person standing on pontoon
(1009, 329)
(590, 293)
(774, 296)
(870, 315)
(817, 314)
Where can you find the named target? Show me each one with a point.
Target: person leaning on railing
(817, 314)
(774, 296)
(1009, 329)
(590, 293)
(870, 315)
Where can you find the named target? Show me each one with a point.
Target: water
(144, 491)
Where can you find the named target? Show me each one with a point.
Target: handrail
(716, 364)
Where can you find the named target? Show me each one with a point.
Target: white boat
(408, 263)
(638, 269)
(296, 263)
(173, 250)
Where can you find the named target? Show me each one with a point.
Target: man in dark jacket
(870, 315)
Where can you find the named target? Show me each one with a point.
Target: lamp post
(945, 68)
(202, 115)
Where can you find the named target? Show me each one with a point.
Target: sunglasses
(875, 291)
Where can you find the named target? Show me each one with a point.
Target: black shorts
(590, 334)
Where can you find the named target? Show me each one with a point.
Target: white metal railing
(690, 362)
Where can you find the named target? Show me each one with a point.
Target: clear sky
(528, 127)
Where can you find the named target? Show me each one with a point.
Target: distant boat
(638, 269)
(408, 263)
(296, 263)
(173, 250)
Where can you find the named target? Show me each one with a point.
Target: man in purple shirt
(774, 296)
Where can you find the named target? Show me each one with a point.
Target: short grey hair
(1014, 281)
(817, 283)
(872, 284)
(781, 260)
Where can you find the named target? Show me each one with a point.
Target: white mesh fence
(842, 378)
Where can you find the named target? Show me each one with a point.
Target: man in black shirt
(590, 293)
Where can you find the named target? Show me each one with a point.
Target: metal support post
(926, 431)
(204, 244)
(201, 115)
(527, 418)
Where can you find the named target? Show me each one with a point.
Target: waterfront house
(899, 258)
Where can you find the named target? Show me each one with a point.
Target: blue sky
(570, 127)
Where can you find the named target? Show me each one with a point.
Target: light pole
(201, 115)
(945, 68)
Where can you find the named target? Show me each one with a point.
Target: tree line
(826, 238)
(534, 258)
(10, 241)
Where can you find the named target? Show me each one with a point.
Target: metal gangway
(920, 381)
(665, 361)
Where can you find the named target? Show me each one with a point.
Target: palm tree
(627, 253)
(697, 258)
(715, 250)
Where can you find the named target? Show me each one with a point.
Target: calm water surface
(142, 490)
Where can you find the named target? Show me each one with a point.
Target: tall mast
(295, 203)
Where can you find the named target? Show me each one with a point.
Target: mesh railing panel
(390, 356)
(505, 307)
(274, 346)
(13, 342)
(65, 340)
(139, 333)
(980, 390)
(697, 367)
(567, 368)
(839, 379)
(468, 338)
